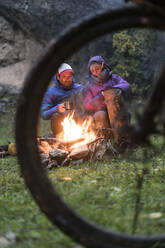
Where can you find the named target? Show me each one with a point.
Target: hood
(107, 72)
(98, 59)
(60, 86)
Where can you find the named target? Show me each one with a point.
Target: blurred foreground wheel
(70, 41)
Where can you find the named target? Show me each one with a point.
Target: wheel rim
(27, 116)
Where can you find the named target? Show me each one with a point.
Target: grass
(105, 192)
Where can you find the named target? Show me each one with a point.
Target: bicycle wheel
(36, 82)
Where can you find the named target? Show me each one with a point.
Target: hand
(61, 108)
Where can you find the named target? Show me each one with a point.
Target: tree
(133, 58)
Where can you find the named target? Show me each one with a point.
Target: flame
(73, 131)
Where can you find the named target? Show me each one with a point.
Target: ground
(106, 192)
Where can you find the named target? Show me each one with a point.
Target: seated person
(53, 105)
(105, 99)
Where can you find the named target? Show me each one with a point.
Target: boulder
(26, 27)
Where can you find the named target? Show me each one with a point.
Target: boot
(118, 116)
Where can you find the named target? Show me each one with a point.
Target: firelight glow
(73, 131)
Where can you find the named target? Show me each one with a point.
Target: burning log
(52, 143)
(97, 149)
(69, 154)
(81, 152)
(68, 144)
(44, 147)
(57, 143)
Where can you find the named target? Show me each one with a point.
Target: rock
(4, 242)
(27, 26)
(58, 155)
(44, 156)
(65, 162)
(80, 161)
(2, 91)
(52, 165)
(14, 91)
(2, 107)
(9, 239)
(5, 100)
(11, 236)
(45, 19)
(45, 162)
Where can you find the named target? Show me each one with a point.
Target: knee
(101, 119)
(56, 117)
(100, 115)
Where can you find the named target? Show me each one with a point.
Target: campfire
(76, 143)
(79, 134)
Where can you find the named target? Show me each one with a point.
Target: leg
(118, 116)
(56, 121)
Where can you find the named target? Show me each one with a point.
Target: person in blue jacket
(54, 102)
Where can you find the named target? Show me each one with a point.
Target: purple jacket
(94, 100)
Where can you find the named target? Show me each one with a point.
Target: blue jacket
(56, 95)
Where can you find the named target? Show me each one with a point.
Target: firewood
(44, 146)
(58, 154)
(97, 149)
(111, 149)
(50, 140)
(57, 143)
(79, 153)
(65, 162)
(70, 143)
(52, 164)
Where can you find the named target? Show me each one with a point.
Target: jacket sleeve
(119, 82)
(93, 103)
(47, 111)
(48, 108)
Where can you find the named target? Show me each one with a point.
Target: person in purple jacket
(105, 99)
(53, 107)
